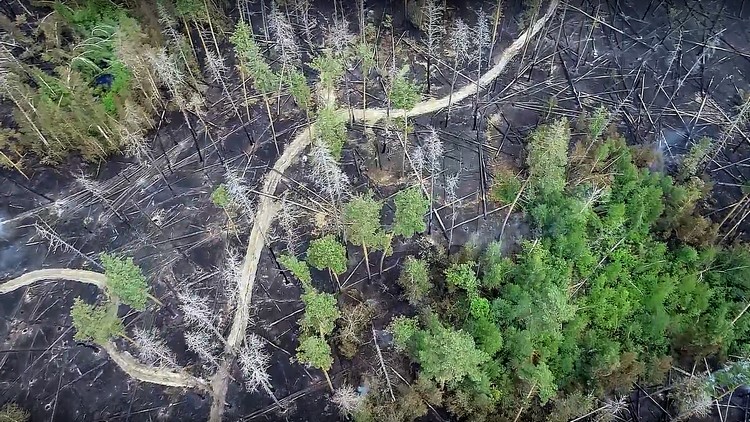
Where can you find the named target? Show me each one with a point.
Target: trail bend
(126, 362)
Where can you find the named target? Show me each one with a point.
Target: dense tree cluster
(604, 295)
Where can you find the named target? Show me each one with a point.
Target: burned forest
(374, 211)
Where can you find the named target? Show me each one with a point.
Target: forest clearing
(392, 211)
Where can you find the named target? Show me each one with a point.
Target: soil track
(124, 360)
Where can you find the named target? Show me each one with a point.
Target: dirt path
(124, 360)
(268, 208)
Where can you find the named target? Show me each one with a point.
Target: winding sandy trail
(124, 360)
(268, 208)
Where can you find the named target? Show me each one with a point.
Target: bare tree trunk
(367, 261)
(328, 379)
(450, 95)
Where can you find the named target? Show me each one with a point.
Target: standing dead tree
(434, 148)
(459, 41)
(254, 362)
(327, 176)
(481, 35)
(451, 197)
(286, 45)
(432, 22)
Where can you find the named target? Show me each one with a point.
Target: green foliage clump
(695, 157)
(220, 196)
(93, 14)
(331, 130)
(61, 105)
(445, 355)
(486, 334)
(598, 123)
(404, 93)
(11, 412)
(316, 352)
(125, 280)
(462, 276)
(411, 207)
(321, 313)
(297, 267)
(609, 292)
(411, 401)
(548, 156)
(403, 329)
(297, 83)
(362, 220)
(495, 268)
(252, 61)
(190, 9)
(96, 323)
(505, 189)
(327, 253)
(567, 407)
(330, 69)
(415, 280)
(365, 52)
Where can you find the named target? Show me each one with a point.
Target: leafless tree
(432, 22)
(338, 37)
(152, 350)
(239, 193)
(202, 344)
(326, 174)
(286, 40)
(481, 36)
(693, 397)
(347, 399)
(230, 274)
(288, 216)
(305, 20)
(254, 362)
(56, 242)
(611, 408)
(451, 189)
(197, 311)
(433, 150)
(460, 43)
(418, 161)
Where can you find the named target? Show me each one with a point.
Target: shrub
(327, 253)
(96, 323)
(448, 356)
(411, 207)
(314, 351)
(321, 313)
(403, 329)
(462, 276)
(404, 93)
(220, 196)
(125, 280)
(331, 130)
(11, 412)
(298, 268)
(362, 222)
(415, 280)
(548, 156)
